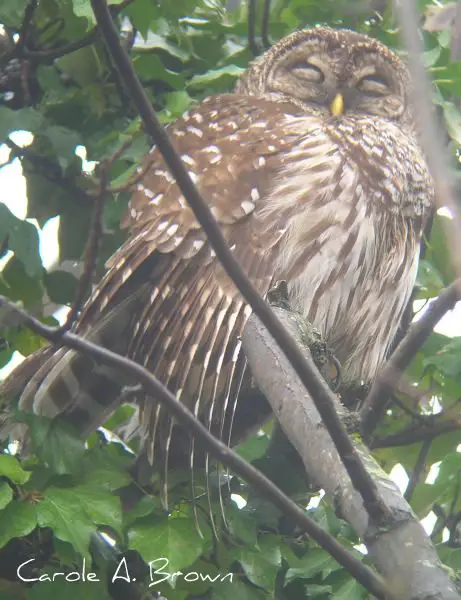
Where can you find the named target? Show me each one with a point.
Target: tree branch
(418, 470)
(311, 378)
(399, 548)
(375, 403)
(223, 453)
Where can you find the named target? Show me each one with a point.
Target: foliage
(52, 503)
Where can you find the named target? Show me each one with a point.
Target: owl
(313, 170)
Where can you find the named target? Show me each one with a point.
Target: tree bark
(399, 547)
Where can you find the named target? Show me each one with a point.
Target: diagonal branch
(228, 457)
(323, 397)
(375, 403)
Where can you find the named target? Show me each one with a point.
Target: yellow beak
(337, 106)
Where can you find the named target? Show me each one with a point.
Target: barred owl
(313, 170)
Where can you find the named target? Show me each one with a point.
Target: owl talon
(337, 381)
(278, 295)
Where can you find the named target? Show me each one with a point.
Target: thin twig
(418, 470)
(155, 389)
(252, 28)
(389, 375)
(413, 414)
(322, 396)
(26, 26)
(265, 24)
(48, 56)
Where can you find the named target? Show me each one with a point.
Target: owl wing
(165, 301)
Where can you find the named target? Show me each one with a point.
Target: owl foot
(325, 361)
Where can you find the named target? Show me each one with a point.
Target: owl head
(332, 72)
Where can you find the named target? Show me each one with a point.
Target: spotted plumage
(313, 170)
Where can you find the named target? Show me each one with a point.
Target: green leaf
(12, 13)
(153, 41)
(18, 519)
(175, 540)
(74, 227)
(62, 511)
(241, 525)
(260, 566)
(6, 494)
(56, 443)
(429, 280)
(447, 360)
(22, 240)
(218, 79)
(70, 590)
(64, 141)
(61, 286)
(351, 589)
(150, 67)
(21, 286)
(316, 562)
(25, 119)
(453, 121)
(11, 468)
(236, 589)
(316, 591)
(438, 252)
(82, 8)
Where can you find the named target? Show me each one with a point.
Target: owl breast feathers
(313, 170)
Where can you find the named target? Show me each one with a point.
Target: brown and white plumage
(334, 204)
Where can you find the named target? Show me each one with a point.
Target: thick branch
(375, 404)
(322, 395)
(399, 548)
(223, 453)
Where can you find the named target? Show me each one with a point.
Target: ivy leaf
(430, 282)
(61, 286)
(318, 591)
(62, 511)
(316, 562)
(218, 79)
(18, 519)
(351, 589)
(64, 141)
(6, 494)
(100, 506)
(260, 566)
(174, 540)
(447, 359)
(153, 41)
(236, 589)
(150, 67)
(21, 286)
(25, 119)
(11, 468)
(22, 240)
(56, 443)
(70, 590)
